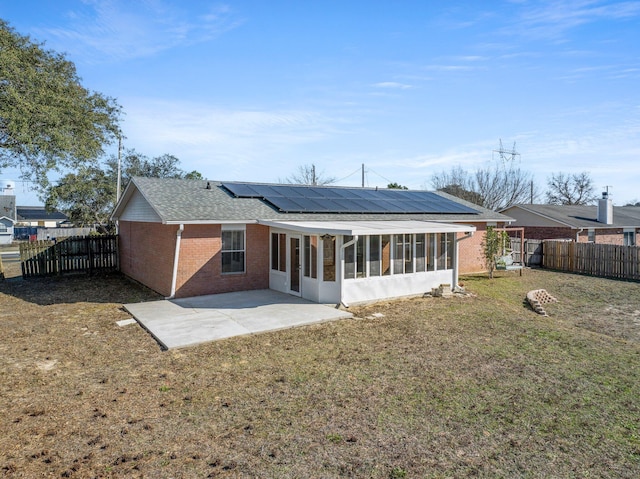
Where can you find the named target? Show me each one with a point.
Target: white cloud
(392, 85)
(122, 30)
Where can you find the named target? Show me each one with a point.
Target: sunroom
(362, 261)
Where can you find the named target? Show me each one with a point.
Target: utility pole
(363, 175)
(119, 182)
(314, 181)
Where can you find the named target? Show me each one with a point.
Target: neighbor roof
(190, 201)
(35, 213)
(8, 206)
(582, 216)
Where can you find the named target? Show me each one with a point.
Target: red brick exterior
(602, 235)
(147, 254)
(470, 250)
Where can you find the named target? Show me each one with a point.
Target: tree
(86, 197)
(492, 246)
(48, 120)
(307, 175)
(494, 187)
(396, 186)
(133, 164)
(566, 189)
(633, 202)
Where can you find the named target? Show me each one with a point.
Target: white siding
(138, 209)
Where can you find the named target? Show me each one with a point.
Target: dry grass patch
(476, 386)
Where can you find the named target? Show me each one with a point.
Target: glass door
(294, 264)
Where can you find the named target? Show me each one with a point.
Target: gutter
(176, 261)
(342, 248)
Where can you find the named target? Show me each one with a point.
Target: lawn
(473, 386)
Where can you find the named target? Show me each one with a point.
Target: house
(601, 223)
(39, 216)
(326, 244)
(7, 218)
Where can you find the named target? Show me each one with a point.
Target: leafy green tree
(89, 196)
(492, 246)
(48, 120)
(86, 197)
(396, 186)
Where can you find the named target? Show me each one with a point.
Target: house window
(329, 258)
(310, 269)
(354, 258)
(278, 252)
(233, 251)
(591, 236)
(386, 255)
(629, 238)
(3, 228)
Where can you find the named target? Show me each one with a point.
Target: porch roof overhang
(367, 228)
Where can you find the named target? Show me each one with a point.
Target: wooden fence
(81, 254)
(532, 252)
(606, 260)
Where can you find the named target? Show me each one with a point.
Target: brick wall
(470, 259)
(603, 236)
(146, 253)
(200, 268)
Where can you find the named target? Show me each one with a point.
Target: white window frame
(629, 233)
(234, 228)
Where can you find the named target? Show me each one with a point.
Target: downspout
(578, 234)
(342, 248)
(176, 261)
(456, 260)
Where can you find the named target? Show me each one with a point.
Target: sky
(253, 90)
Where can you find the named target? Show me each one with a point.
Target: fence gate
(81, 254)
(532, 252)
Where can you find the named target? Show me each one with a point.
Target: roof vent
(208, 187)
(605, 209)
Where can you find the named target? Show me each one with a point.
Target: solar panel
(313, 199)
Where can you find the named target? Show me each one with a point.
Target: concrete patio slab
(189, 321)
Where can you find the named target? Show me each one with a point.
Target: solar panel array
(313, 199)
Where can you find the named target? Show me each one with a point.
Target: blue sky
(251, 90)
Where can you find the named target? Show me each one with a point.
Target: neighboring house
(326, 244)
(601, 223)
(7, 218)
(39, 216)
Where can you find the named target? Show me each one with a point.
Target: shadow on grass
(106, 288)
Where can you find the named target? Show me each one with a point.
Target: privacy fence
(82, 254)
(532, 252)
(606, 260)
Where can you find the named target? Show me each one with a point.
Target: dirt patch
(433, 387)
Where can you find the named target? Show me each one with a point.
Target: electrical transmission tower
(506, 155)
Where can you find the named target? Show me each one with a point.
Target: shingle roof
(580, 216)
(177, 201)
(34, 213)
(8, 206)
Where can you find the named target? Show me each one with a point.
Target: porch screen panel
(386, 254)
(442, 251)
(360, 257)
(283, 255)
(408, 254)
(420, 253)
(374, 255)
(431, 252)
(398, 250)
(275, 251)
(450, 242)
(310, 269)
(349, 258)
(329, 258)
